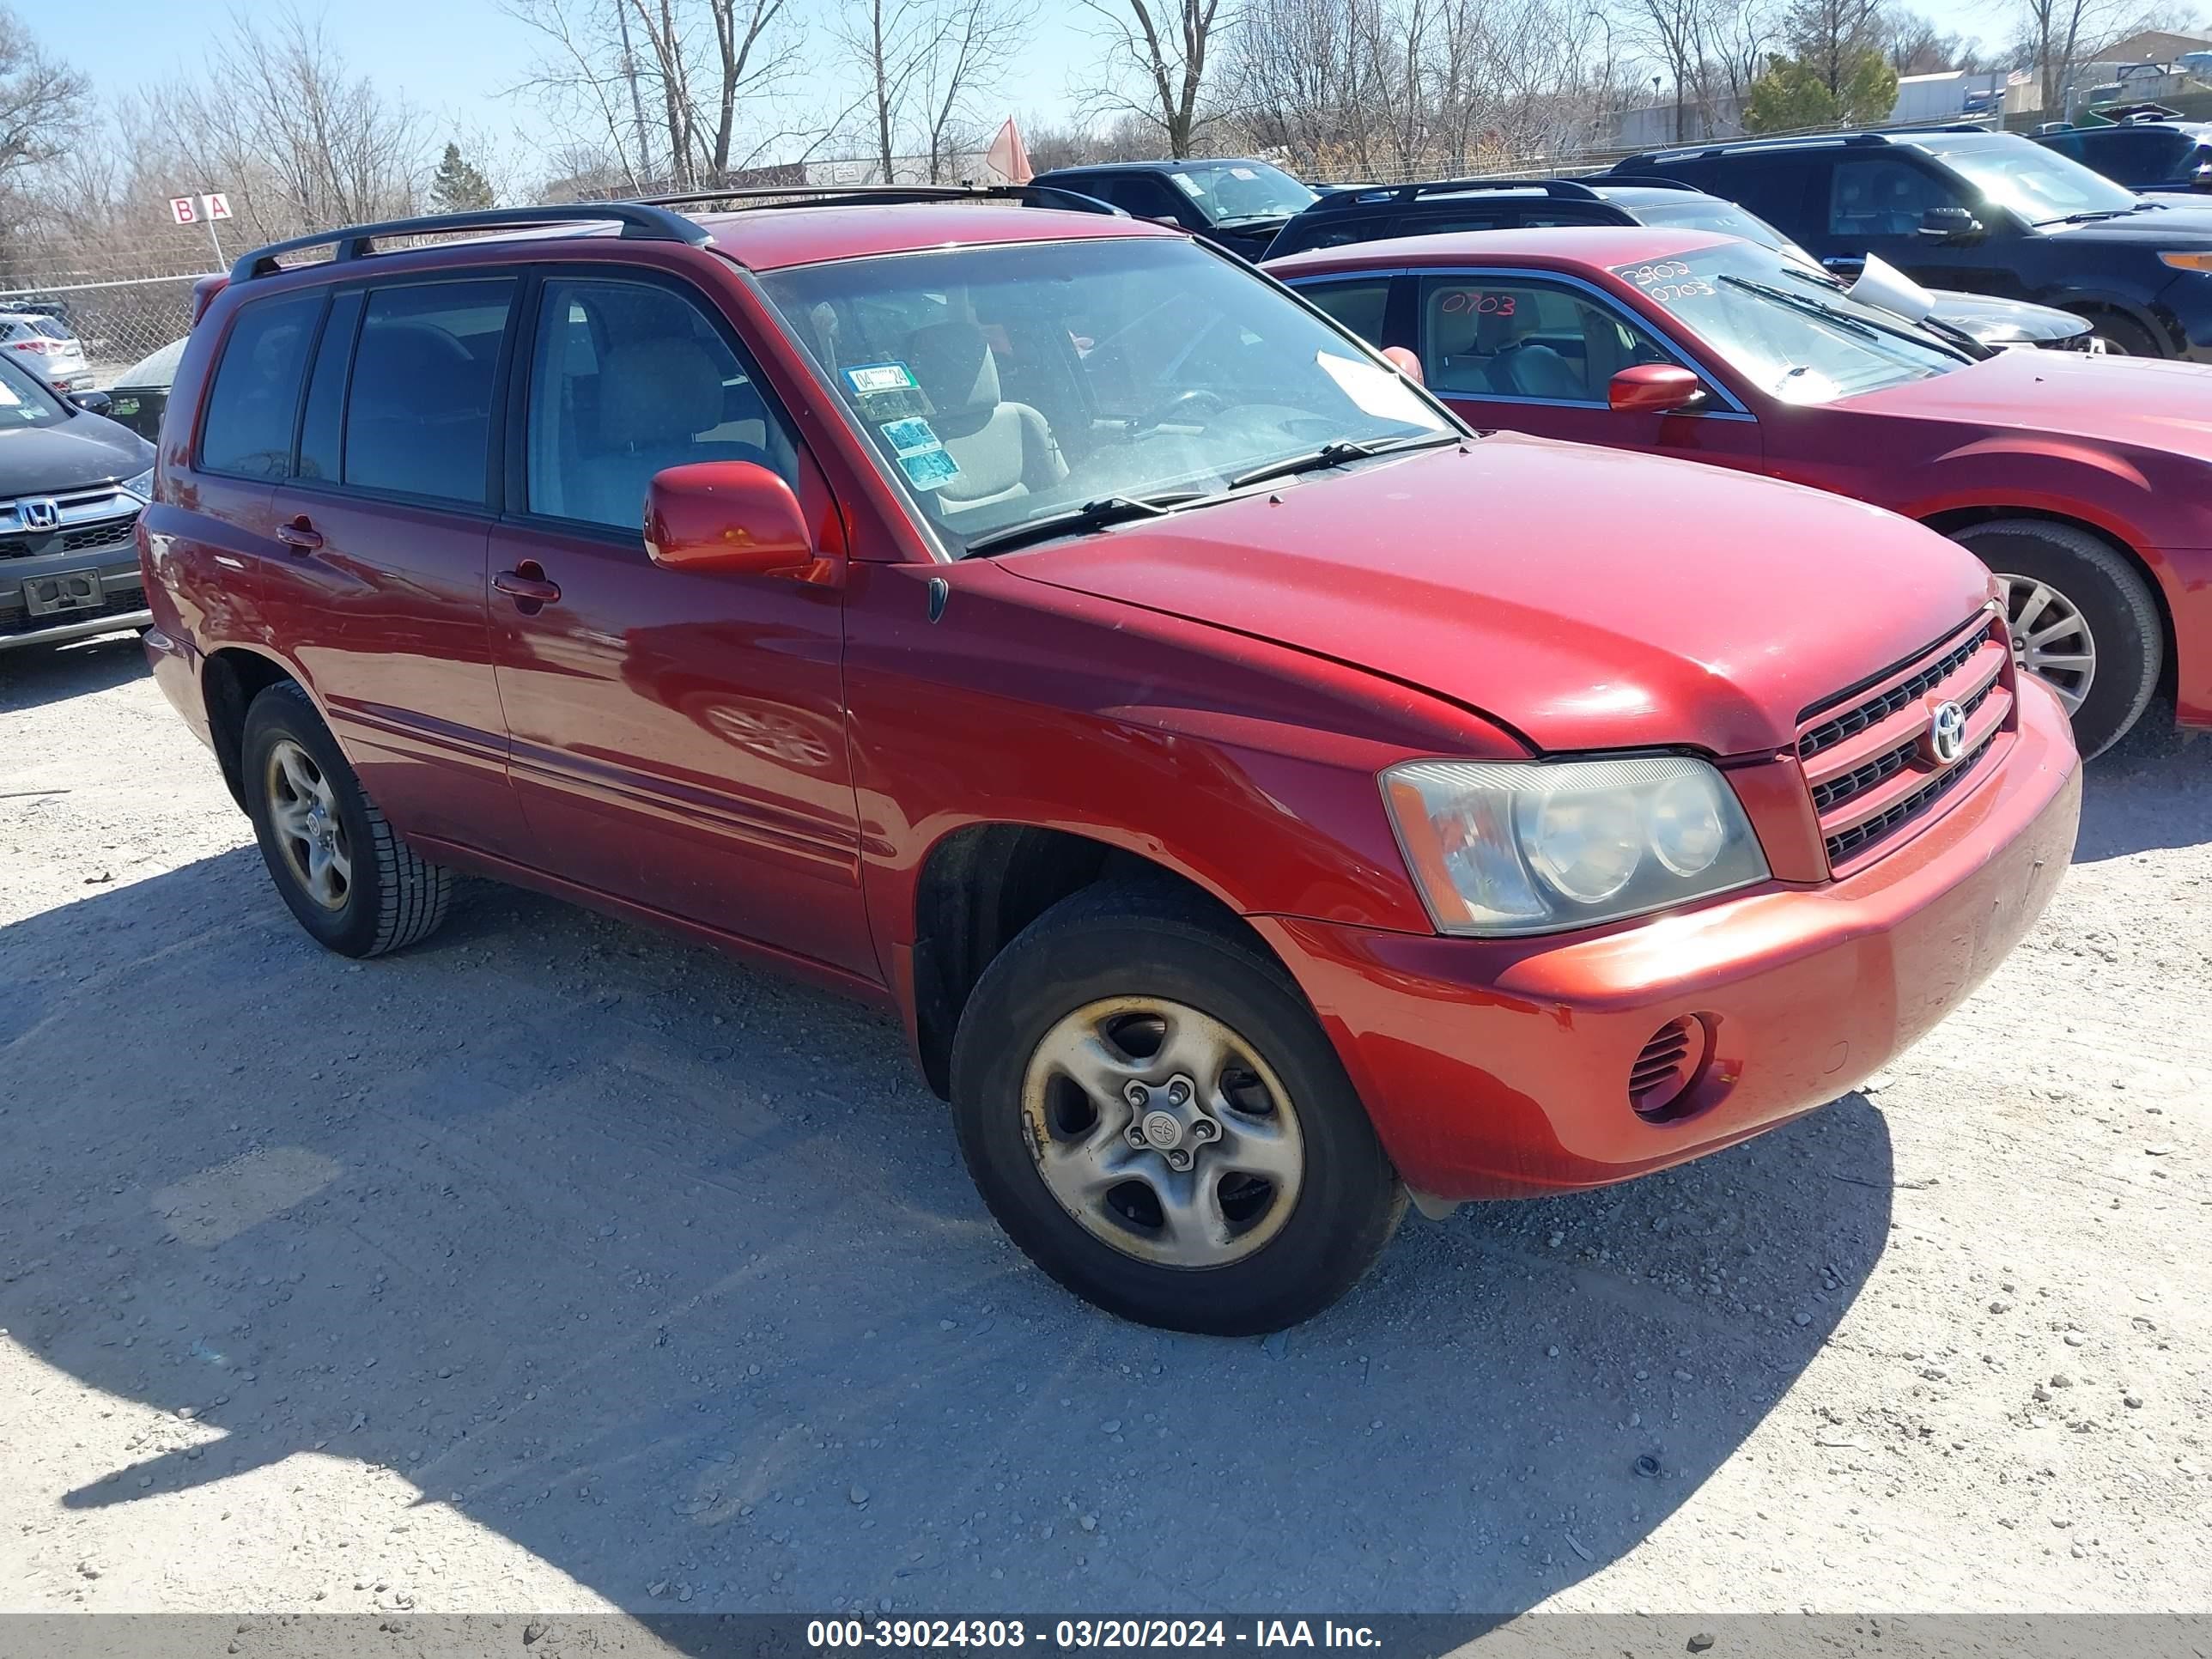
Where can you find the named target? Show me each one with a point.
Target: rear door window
(418, 409)
(255, 398)
(1363, 306)
(1505, 336)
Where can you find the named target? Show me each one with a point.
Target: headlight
(141, 486)
(1534, 847)
(2188, 261)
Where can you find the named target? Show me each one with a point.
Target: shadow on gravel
(667, 1270)
(32, 676)
(2152, 788)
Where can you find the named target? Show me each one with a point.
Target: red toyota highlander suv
(1261, 799)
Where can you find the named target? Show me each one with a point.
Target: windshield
(1228, 191)
(24, 402)
(1723, 218)
(1006, 384)
(2039, 184)
(1797, 337)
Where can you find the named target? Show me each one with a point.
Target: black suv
(2141, 154)
(1233, 202)
(1961, 207)
(1369, 213)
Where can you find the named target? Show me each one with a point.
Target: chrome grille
(1871, 765)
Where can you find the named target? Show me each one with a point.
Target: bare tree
(922, 63)
(972, 42)
(882, 38)
(279, 124)
(42, 101)
(712, 69)
(1162, 45)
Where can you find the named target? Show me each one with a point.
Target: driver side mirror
(92, 402)
(1950, 224)
(1654, 389)
(2202, 178)
(727, 518)
(1405, 361)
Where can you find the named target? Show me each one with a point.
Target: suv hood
(85, 449)
(2149, 402)
(2170, 226)
(1587, 598)
(1994, 322)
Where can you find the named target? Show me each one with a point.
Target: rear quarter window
(255, 398)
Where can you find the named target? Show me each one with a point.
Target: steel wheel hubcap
(304, 811)
(2051, 638)
(1163, 1132)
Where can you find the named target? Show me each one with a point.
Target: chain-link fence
(118, 322)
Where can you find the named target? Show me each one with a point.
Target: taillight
(39, 346)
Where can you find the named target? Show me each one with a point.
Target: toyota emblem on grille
(38, 512)
(1947, 733)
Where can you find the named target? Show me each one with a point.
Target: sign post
(204, 209)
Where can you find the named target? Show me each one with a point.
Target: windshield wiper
(1806, 303)
(1336, 454)
(2091, 217)
(1091, 515)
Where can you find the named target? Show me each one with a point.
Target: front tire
(350, 881)
(2082, 621)
(1153, 1113)
(2122, 337)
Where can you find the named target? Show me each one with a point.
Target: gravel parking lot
(553, 1266)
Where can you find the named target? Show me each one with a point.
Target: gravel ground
(553, 1266)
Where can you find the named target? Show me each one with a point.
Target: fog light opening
(1659, 1082)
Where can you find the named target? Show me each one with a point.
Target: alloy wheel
(304, 813)
(2051, 638)
(1163, 1132)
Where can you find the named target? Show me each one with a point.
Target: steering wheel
(1187, 399)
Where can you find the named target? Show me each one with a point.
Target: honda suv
(1990, 211)
(1261, 799)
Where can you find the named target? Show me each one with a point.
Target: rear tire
(2105, 641)
(1284, 1197)
(350, 881)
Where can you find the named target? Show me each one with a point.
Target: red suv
(1260, 798)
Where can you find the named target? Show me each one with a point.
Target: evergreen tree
(459, 187)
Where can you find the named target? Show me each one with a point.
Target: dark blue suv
(1963, 207)
(2142, 154)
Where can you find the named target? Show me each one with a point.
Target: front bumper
(1498, 1068)
(121, 596)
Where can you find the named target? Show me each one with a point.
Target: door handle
(526, 584)
(299, 535)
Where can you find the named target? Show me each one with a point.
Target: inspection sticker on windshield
(929, 468)
(910, 436)
(880, 377)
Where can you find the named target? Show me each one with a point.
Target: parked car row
(1996, 224)
(1263, 798)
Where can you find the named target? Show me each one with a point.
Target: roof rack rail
(1651, 182)
(1794, 141)
(1566, 189)
(639, 221)
(784, 195)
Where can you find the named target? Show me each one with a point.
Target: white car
(44, 346)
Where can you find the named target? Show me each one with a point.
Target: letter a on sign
(186, 211)
(218, 204)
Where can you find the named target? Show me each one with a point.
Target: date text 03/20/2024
(1083, 1633)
